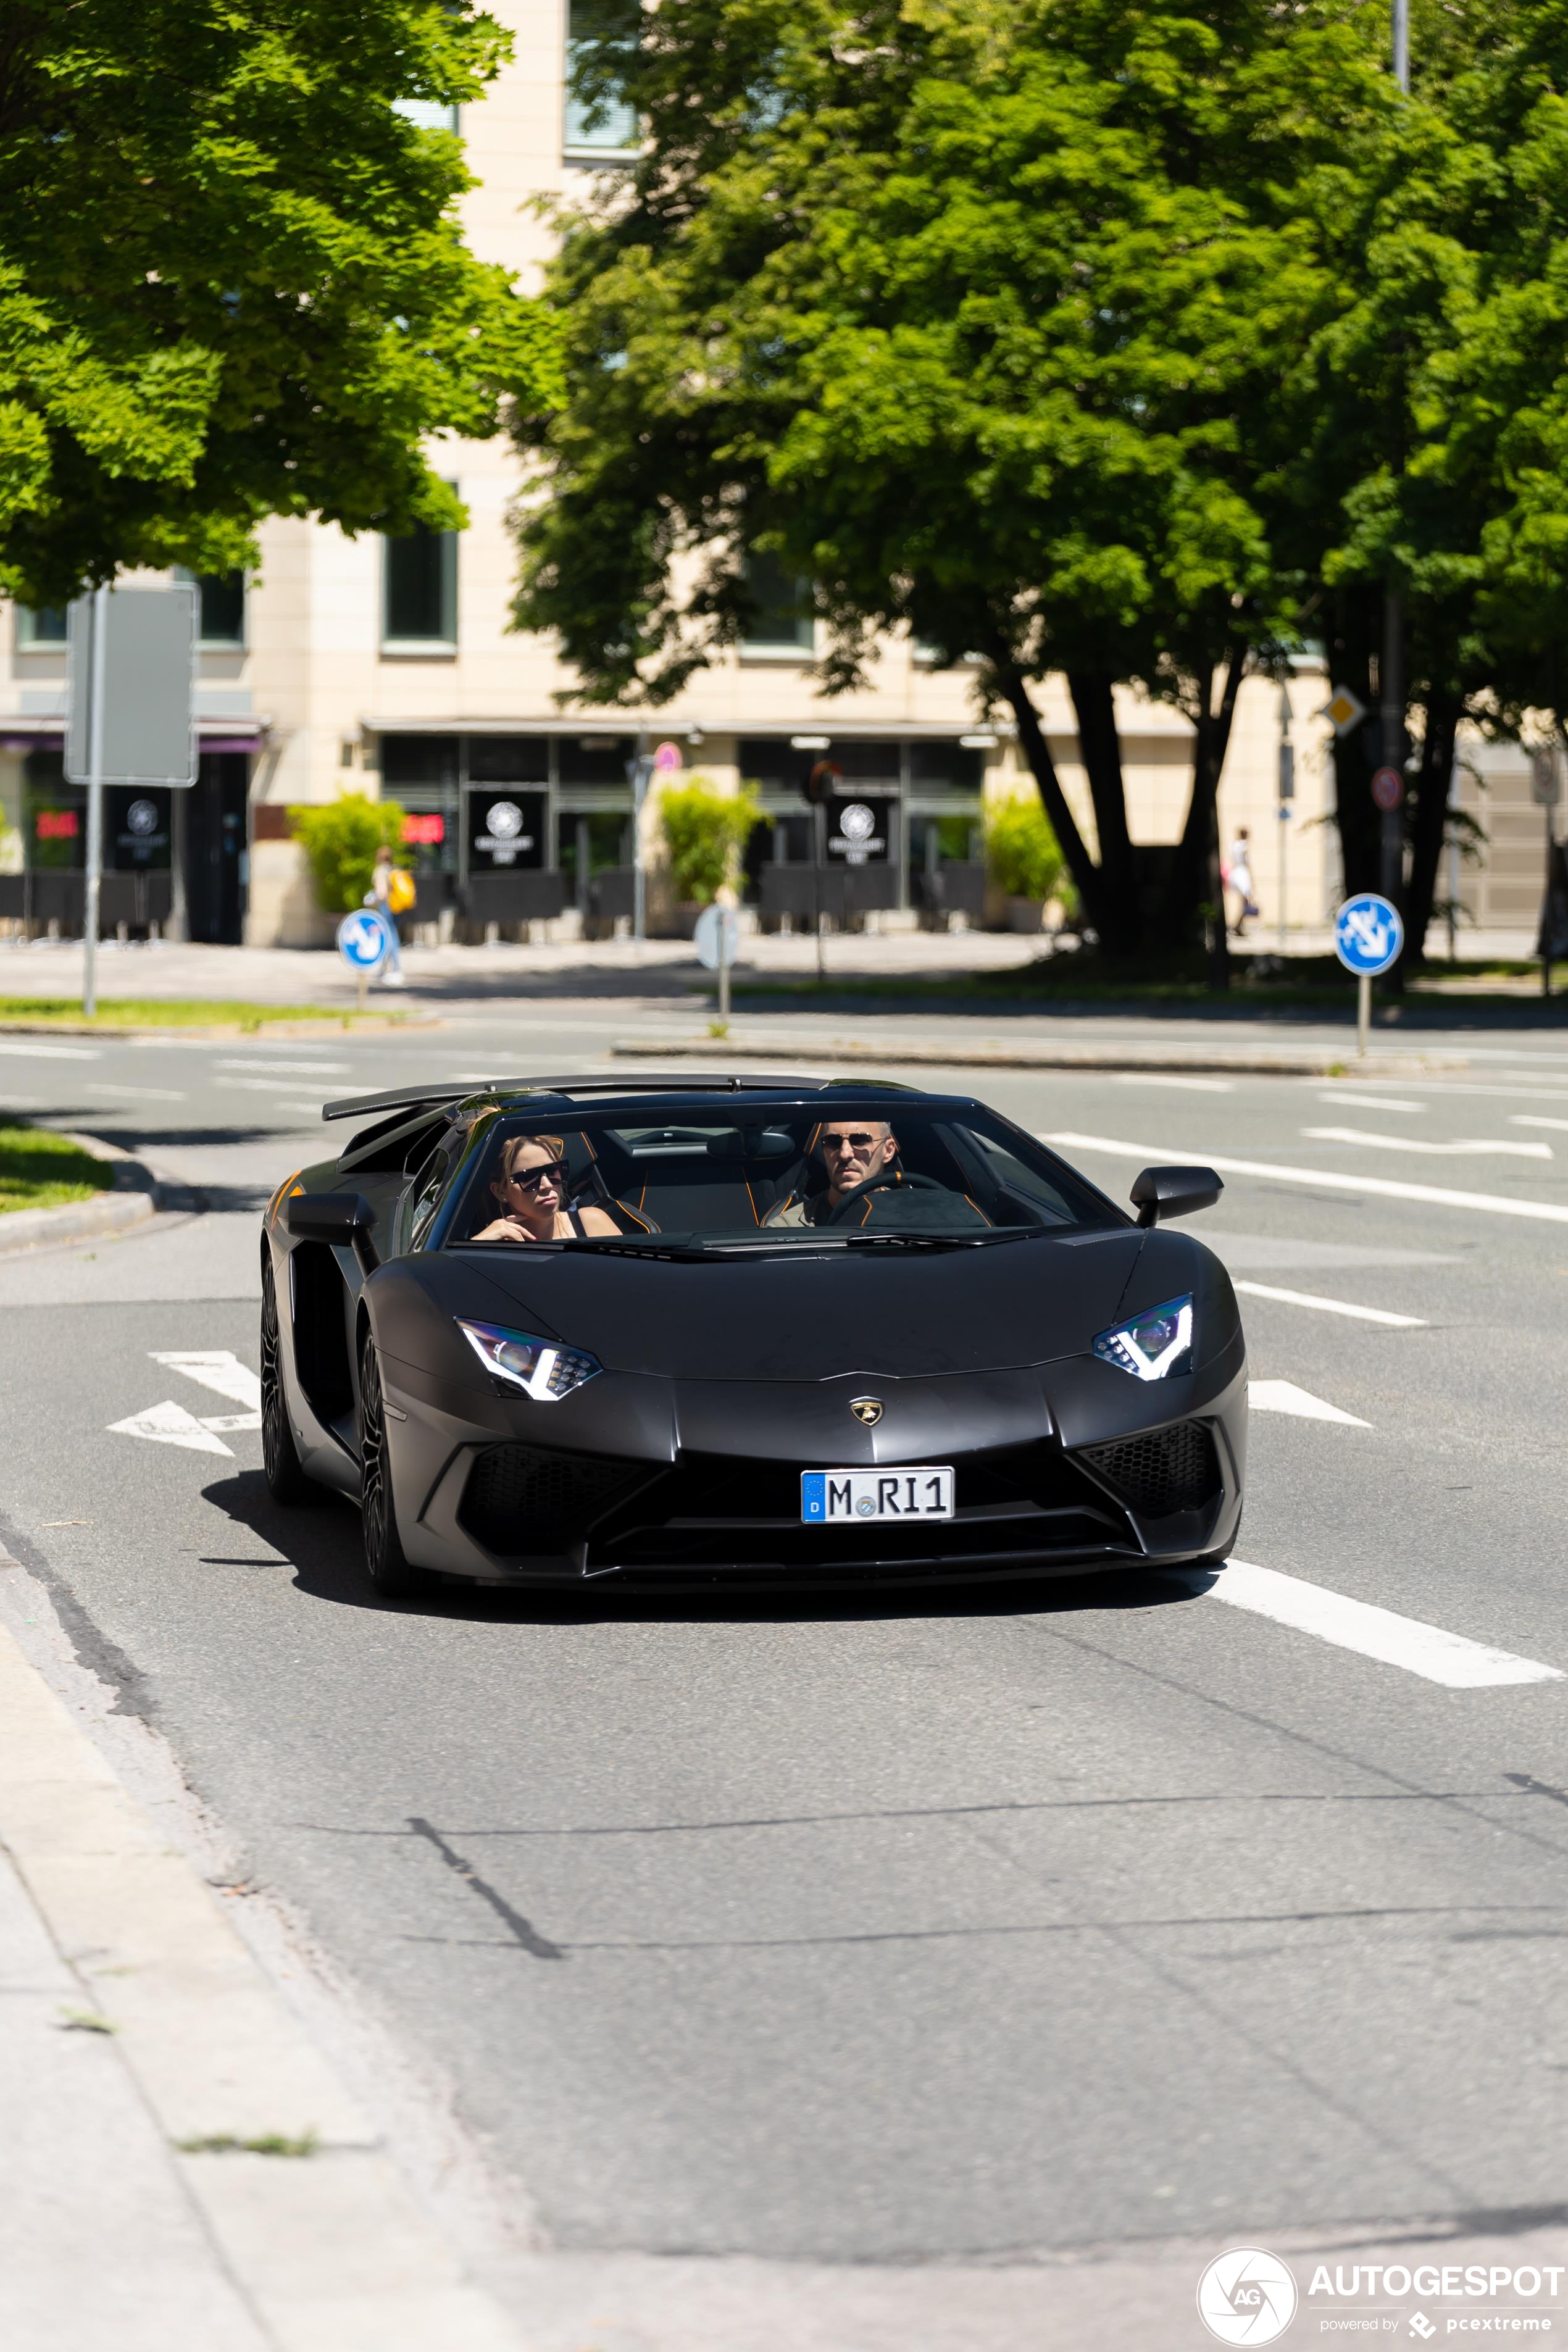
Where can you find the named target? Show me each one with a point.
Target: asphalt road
(993, 1925)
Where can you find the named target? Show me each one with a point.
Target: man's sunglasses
(531, 1179)
(850, 1142)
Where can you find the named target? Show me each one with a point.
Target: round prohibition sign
(1388, 790)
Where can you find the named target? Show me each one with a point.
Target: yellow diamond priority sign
(1344, 709)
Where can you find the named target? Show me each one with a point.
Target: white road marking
(1522, 1118)
(1375, 1102)
(262, 1085)
(170, 1424)
(218, 1369)
(1331, 1306)
(139, 1094)
(1436, 1655)
(300, 1069)
(1467, 1149)
(1193, 1085)
(231, 1421)
(32, 1050)
(1491, 1204)
(1284, 1396)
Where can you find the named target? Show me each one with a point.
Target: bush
(339, 841)
(705, 834)
(1021, 851)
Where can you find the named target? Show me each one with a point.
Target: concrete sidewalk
(182, 2168)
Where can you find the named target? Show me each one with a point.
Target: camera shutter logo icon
(1246, 2297)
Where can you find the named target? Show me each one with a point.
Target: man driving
(854, 1152)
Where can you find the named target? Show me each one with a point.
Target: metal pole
(639, 870)
(1453, 868)
(1546, 911)
(724, 965)
(1401, 43)
(94, 878)
(819, 851)
(179, 912)
(1287, 793)
(1362, 1013)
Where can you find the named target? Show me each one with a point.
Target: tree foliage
(232, 282)
(1022, 852)
(705, 835)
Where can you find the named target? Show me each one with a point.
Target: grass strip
(39, 1169)
(176, 1013)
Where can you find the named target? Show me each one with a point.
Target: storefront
(898, 825)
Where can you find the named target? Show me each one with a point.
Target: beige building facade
(390, 667)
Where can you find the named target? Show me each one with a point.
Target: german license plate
(848, 1497)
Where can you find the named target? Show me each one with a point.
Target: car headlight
(1153, 1345)
(541, 1369)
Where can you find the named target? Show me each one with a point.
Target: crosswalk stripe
(1429, 1651)
(1493, 1204)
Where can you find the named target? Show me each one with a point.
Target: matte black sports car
(730, 1329)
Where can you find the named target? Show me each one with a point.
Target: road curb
(1045, 1054)
(328, 1024)
(134, 1196)
(330, 2249)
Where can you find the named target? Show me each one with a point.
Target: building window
(598, 32)
(222, 608)
(428, 113)
(419, 591)
(779, 617)
(38, 625)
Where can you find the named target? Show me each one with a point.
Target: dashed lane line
(1375, 1102)
(1331, 1306)
(29, 1049)
(1523, 1118)
(1429, 1651)
(1491, 1204)
(1188, 1085)
(1468, 1147)
(296, 1069)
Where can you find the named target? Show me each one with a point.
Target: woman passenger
(532, 1191)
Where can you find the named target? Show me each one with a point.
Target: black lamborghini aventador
(732, 1329)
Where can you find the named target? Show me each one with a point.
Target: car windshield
(712, 1179)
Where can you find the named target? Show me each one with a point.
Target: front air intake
(530, 1499)
(1167, 1470)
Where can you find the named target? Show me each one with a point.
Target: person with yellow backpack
(392, 893)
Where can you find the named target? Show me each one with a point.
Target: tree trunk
(1194, 871)
(1426, 833)
(1100, 747)
(1087, 877)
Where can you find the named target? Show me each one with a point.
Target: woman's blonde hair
(554, 1144)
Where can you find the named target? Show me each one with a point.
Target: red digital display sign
(56, 825)
(431, 830)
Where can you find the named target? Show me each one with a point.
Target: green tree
(232, 282)
(340, 840)
(977, 317)
(705, 834)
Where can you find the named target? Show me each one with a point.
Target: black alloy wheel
(286, 1479)
(386, 1564)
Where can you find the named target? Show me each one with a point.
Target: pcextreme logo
(1246, 2297)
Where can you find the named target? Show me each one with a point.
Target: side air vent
(528, 1498)
(1169, 1470)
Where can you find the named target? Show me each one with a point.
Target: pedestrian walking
(391, 890)
(1239, 875)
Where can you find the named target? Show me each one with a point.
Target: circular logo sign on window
(504, 819)
(857, 823)
(1246, 2297)
(141, 816)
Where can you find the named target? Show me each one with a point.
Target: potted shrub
(1024, 860)
(340, 840)
(705, 834)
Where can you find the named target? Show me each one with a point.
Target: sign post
(717, 935)
(1286, 795)
(1545, 787)
(1368, 935)
(130, 697)
(639, 775)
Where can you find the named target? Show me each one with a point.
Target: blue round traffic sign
(362, 941)
(1368, 934)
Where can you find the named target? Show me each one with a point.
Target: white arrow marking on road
(170, 1424)
(218, 1369)
(1331, 1306)
(1284, 1396)
(1419, 1143)
(1435, 1655)
(1326, 1180)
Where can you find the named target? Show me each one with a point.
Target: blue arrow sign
(363, 942)
(1368, 934)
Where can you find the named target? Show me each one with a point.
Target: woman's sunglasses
(531, 1179)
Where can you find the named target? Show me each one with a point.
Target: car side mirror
(342, 1219)
(1162, 1193)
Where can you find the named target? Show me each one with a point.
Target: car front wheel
(386, 1564)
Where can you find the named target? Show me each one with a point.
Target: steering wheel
(885, 1182)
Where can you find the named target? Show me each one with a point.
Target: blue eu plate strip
(814, 1493)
